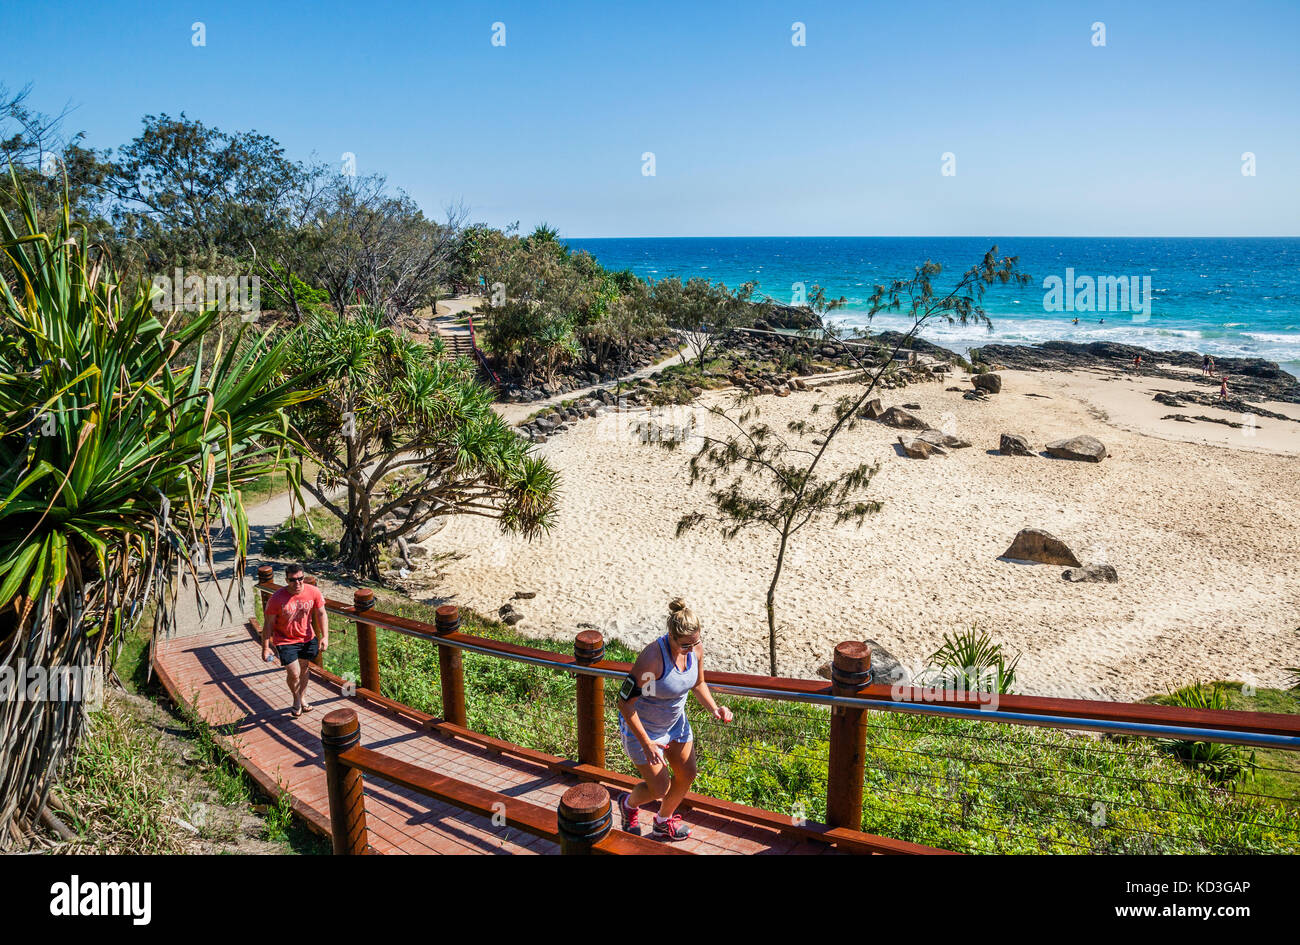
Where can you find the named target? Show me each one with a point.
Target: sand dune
(1204, 537)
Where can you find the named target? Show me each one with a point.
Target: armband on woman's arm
(629, 690)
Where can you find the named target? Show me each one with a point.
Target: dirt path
(513, 413)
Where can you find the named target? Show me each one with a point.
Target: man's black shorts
(292, 652)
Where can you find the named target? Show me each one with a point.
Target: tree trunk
(771, 603)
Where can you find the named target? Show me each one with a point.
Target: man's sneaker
(672, 828)
(631, 815)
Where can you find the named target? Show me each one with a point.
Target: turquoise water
(1222, 296)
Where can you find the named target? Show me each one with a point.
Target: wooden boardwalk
(221, 675)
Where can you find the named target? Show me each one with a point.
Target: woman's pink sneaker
(672, 828)
(631, 815)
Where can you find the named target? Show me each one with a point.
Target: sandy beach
(1199, 520)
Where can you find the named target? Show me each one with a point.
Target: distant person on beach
(296, 625)
(1223, 388)
(653, 725)
(1211, 367)
(1205, 364)
(1137, 362)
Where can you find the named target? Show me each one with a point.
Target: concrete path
(193, 618)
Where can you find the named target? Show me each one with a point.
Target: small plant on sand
(972, 661)
(756, 476)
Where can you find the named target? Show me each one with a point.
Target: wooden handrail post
(363, 599)
(584, 818)
(588, 648)
(340, 731)
(265, 575)
(850, 673)
(319, 658)
(450, 669)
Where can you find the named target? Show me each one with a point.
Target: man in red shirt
(289, 618)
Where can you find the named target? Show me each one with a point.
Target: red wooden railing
(849, 695)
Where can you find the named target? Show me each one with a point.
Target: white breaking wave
(1282, 348)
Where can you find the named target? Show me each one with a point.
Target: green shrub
(1217, 761)
(299, 543)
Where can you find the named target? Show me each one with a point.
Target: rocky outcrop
(1084, 448)
(945, 440)
(1093, 573)
(1011, 445)
(1034, 544)
(871, 410)
(1252, 378)
(988, 382)
(1212, 399)
(918, 449)
(900, 418)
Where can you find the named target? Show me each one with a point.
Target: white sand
(1205, 538)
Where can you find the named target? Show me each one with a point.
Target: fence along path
(937, 777)
(220, 674)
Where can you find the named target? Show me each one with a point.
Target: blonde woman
(653, 724)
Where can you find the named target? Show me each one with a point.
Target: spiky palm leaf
(409, 434)
(122, 443)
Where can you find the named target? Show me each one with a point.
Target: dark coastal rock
(524, 595)
(989, 382)
(1253, 378)
(1034, 544)
(1212, 399)
(1093, 574)
(919, 449)
(911, 406)
(898, 417)
(1011, 445)
(1085, 448)
(871, 410)
(975, 395)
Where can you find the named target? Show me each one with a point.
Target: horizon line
(940, 236)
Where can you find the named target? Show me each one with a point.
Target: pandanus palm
(403, 435)
(123, 441)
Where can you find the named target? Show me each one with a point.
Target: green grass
(265, 488)
(310, 537)
(117, 782)
(962, 785)
(232, 786)
(131, 662)
(1278, 772)
(278, 825)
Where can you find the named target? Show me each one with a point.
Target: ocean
(1221, 296)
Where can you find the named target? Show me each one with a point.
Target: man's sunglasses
(298, 579)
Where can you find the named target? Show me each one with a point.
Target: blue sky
(751, 134)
